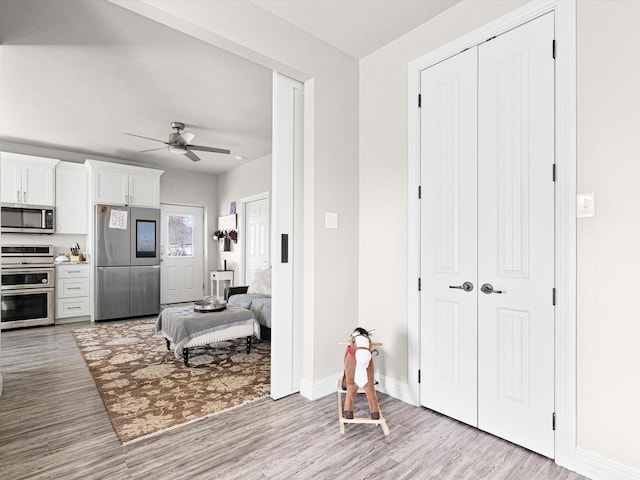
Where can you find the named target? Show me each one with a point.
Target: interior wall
(383, 174)
(608, 253)
(608, 259)
(198, 190)
(249, 179)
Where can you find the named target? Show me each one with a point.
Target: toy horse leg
(372, 398)
(349, 384)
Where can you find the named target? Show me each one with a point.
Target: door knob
(466, 286)
(488, 288)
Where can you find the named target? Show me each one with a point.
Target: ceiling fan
(179, 143)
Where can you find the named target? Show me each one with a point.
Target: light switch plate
(330, 220)
(586, 205)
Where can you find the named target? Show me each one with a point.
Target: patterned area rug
(146, 390)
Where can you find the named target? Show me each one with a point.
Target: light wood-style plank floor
(53, 425)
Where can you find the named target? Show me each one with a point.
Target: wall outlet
(586, 205)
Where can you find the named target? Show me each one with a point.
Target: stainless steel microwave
(19, 218)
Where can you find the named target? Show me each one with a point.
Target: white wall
(196, 190)
(246, 180)
(608, 257)
(609, 243)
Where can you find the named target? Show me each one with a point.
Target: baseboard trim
(314, 390)
(598, 467)
(395, 389)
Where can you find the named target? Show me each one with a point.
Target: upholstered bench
(186, 328)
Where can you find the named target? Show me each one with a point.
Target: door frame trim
(243, 248)
(565, 208)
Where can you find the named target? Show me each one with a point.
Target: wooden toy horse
(358, 373)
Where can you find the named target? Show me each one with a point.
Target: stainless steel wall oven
(28, 286)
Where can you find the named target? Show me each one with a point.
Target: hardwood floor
(53, 425)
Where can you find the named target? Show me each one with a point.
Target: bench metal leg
(249, 344)
(168, 344)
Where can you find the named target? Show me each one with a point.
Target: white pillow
(261, 282)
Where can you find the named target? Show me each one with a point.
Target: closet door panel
(448, 211)
(516, 238)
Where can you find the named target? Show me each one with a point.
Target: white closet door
(516, 235)
(449, 251)
(487, 218)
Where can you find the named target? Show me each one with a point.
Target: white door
(513, 285)
(182, 254)
(257, 237)
(449, 250)
(286, 320)
(516, 238)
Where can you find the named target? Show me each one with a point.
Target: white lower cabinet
(72, 292)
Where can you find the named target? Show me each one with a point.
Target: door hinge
(419, 192)
(553, 172)
(553, 49)
(419, 376)
(553, 421)
(419, 284)
(419, 100)
(553, 296)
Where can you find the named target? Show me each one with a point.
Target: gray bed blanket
(182, 324)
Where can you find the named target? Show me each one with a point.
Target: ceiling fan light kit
(177, 149)
(179, 143)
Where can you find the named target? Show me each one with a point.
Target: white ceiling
(357, 27)
(76, 75)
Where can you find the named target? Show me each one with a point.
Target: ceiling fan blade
(152, 149)
(208, 149)
(185, 137)
(192, 156)
(148, 138)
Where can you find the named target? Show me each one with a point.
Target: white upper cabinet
(116, 184)
(27, 179)
(72, 197)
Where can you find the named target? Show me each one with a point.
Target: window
(180, 233)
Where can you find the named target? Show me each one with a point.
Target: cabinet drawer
(72, 307)
(73, 271)
(72, 287)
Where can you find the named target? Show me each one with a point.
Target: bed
(186, 328)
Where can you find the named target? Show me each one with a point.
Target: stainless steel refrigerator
(127, 262)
